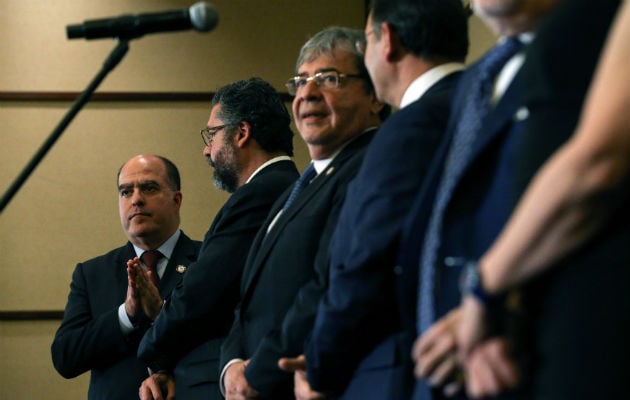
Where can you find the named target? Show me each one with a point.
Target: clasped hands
(434, 353)
(143, 297)
(302, 388)
(236, 385)
(455, 352)
(158, 386)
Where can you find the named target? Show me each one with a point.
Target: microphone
(200, 16)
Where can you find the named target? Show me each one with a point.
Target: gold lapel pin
(330, 170)
(181, 269)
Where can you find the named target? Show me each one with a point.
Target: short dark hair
(257, 102)
(337, 37)
(172, 174)
(431, 29)
(173, 179)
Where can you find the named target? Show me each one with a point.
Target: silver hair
(330, 39)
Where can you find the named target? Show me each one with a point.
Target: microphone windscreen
(203, 16)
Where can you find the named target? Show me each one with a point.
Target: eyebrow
(320, 70)
(138, 184)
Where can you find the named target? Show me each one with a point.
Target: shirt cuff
(221, 383)
(123, 319)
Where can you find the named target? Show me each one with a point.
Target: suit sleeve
(231, 347)
(85, 341)
(202, 305)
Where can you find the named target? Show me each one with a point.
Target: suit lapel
(184, 254)
(259, 239)
(497, 122)
(500, 117)
(446, 83)
(320, 181)
(264, 242)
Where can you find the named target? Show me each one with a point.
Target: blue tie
(476, 107)
(302, 182)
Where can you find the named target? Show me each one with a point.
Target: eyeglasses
(326, 80)
(361, 44)
(208, 133)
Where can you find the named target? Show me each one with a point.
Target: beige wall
(67, 210)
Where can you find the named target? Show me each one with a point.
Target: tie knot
(308, 174)
(499, 56)
(150, 258)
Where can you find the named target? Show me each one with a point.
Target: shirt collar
(269, 162)
(525, 38)
(511, 68)
(166, 248)
(321, 165)
(424, 82)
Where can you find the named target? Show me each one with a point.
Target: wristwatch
(470, 283)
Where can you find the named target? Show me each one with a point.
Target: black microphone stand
(109, 64)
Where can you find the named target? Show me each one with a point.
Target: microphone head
(203, 16)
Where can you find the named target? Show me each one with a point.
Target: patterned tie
(476, 108)
(302, 182)
(150, 258)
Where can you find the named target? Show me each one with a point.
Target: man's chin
(140, 229)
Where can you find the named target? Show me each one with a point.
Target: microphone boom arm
(109, 64)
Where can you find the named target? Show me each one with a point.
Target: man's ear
(376, 105)
(243, 134)
(177, 198)
(391, 42)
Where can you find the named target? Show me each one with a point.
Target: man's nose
(309, 91)
(137, 198)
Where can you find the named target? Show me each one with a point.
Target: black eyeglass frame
(209, 132)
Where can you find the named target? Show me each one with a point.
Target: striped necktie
(475, 109)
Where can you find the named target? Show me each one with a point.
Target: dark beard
(225, 176)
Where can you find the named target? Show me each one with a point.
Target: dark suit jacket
(478, 208)
(90, 337)
(285, 275)
(359, 310)
(188, 333)
(583, 301)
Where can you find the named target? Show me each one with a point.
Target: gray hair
(345, 39)
(331, 39)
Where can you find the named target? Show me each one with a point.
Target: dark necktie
(476, 108)
(302, 182)
(150, 258)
